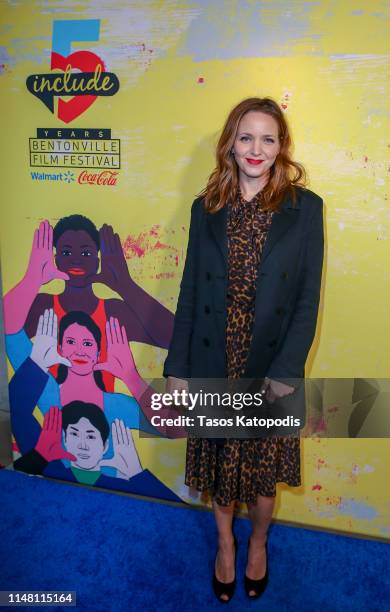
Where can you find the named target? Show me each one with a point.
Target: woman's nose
(257, 148)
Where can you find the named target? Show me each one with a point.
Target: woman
(248, 308)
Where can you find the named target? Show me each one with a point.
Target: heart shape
(86, 61)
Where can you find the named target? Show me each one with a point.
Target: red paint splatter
(316, 487)
(132, 247)
(365, 158)
(200, 79)
(284, 106)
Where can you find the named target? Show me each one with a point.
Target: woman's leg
(224, 566)
(260, 515)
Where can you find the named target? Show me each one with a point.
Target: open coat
(287, 294)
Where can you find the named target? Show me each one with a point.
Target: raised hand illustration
(41, 267)
(114, 272)
(49, 442)
(120, 361)
(44, 352)
(125, 458)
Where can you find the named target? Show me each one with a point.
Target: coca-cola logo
(105, 177)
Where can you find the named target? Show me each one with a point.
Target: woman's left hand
(275, 389)
(44, 350)
(120, 360)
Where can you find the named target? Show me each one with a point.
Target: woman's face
(80, 347)
(256, 144)
(77, 255)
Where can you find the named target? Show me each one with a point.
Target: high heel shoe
(258, 586)
(225, 588)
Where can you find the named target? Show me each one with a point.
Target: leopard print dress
(234, 469)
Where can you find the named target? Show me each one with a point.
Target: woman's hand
(44, 351)
(177, 384)
(275, 389)
(120, 361)
(41, 267)
(41, 270)
(114, 272)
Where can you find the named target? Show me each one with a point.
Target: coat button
(272, 343)
(208, 276)
(207, 309)
(279, 311)
(284, 275)
(206, 341)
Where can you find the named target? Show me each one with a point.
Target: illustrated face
(256, 144)
(85, 442)
(80, 347)
(77, 255)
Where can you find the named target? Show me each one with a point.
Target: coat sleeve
(289, 361)
(177, 362)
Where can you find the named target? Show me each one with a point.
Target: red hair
(223, 183)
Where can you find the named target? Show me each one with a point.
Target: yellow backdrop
(181, 67)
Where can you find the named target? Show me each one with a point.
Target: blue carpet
(121, 553)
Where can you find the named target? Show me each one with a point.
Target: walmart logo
(65, 177)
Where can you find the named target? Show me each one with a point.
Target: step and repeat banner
(111, 113)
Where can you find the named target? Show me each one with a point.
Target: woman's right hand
(177, 384)
(41, 267)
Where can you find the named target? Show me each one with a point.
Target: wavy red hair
(285, 174)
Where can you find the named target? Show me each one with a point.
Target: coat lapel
(218, 225)
(281, 222)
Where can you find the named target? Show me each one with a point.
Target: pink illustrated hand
(120, 361)
(49, 442)
(41, 267)
(125, 458)
(114, 272)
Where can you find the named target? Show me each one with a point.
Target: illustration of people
(77, 243)
(86, 432)
(78, 377)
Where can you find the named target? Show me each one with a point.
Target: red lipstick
(76, 271)
(254, 162)
(80, 361)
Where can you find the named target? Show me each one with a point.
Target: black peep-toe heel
(225, 588)
(258, 586)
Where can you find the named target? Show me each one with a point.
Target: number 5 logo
(64, 33)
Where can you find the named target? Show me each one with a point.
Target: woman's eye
(70, 341)
(271, 140)
(91, 437)
(86, 253)
(87, 343)
(66, 252)
(244, 138)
